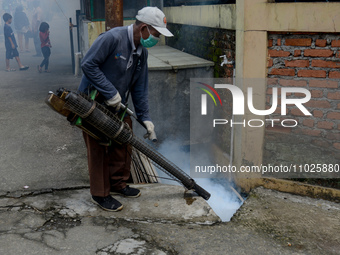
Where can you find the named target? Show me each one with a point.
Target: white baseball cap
(155, 18)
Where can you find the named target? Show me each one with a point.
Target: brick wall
(311, 61)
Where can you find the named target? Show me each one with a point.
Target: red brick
(336, 145)
(297, 53)
(334, 95)
(318, 113)
(269, 91)
(279, 99)
(320, 43)
(297, 63)
(339, 126)
(318, 53)
(296, 112)
(325, 125)
(278, 42)
(336, 43)
(318, 104)
(293, 83)
(333, 136)
(323, 84)
(270, 43)
(339, 106)
(299, 95)
(272, 81)
(283, 72)
(279, 129)
(321, 143)
(312, 73)
(304, 33)
(337, 54)
(279, 94)
(270, 63)
(317, 93)
(333, 115)
(299, 42)
(277, 111)
(310, 132)
(308, 122)
(324, 63)
(334, 75)
(278, 53)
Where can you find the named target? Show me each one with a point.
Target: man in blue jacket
(116, 65)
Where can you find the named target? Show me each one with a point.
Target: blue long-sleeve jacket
(113, 64)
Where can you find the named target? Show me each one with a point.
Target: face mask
(150, 42)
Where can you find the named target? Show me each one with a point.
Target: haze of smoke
(223, 200)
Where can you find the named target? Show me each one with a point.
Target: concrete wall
(89, 31)
(205, 42)
(169, 100)
(216, 16)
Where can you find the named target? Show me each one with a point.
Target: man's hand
(151, 134)
(114, 102)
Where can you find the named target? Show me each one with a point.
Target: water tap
(226, 61)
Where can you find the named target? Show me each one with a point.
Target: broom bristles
(142, 170)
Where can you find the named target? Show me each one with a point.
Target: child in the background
(11, 44)
(45, 46)
(22, 26)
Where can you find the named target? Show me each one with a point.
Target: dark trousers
(109, 166)
(46, 51)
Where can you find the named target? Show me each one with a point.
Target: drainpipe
(113, 14)
(72, 45)
(78, 23)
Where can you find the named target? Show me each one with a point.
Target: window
(95, 9)
(131, 7)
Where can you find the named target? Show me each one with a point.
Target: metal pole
(77, 20)
(72, 46)
(113, 14)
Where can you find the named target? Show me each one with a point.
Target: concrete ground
(45, 203)
(162, 221)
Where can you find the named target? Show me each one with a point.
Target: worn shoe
(127, 192)
(107, 203)
(24, 68)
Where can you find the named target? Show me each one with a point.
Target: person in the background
(11, 44)
(22, 26)
(30, 5)
(36, 20)
(45, 46)
(9, 5)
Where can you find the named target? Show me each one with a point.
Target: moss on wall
(207, 43)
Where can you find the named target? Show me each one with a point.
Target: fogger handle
(131, 113)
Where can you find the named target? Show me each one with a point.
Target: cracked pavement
(162, 222)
